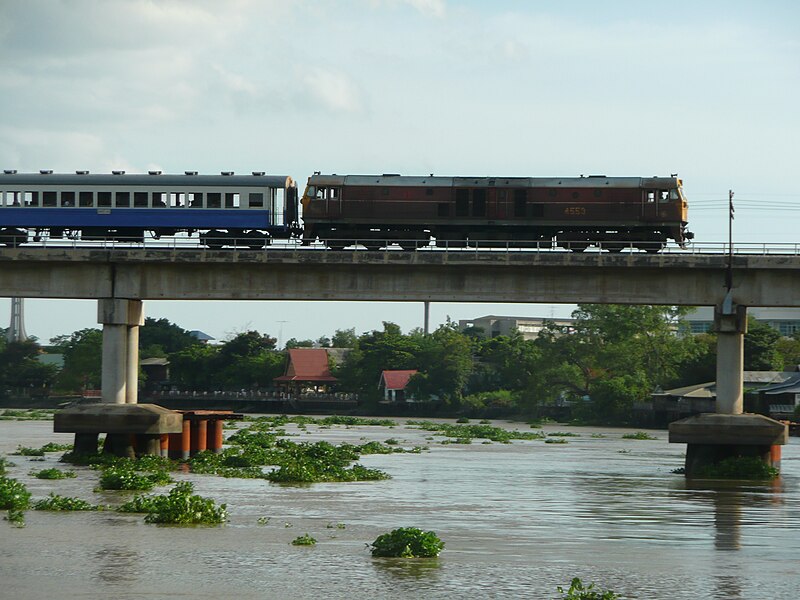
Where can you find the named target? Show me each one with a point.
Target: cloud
(332, 90)
(429, 8)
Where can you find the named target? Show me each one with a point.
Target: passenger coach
(225, 209)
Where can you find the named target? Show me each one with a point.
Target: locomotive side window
(256, 200)
(214, 200)
(520, 199)
(140, 199)
(67, 198)
(104, 199)
(651, 196)
(123, 199)
(478, 203)
(673, 195)
(663, 196)
(462, 202)
(333, 193)
(49, 198)
(86, 199)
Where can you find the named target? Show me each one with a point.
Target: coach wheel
(578, 246)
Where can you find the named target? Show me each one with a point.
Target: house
(394, 385)
(762, 389)
(781, 398)
(201, 336)
(308, 370)
(529, 327)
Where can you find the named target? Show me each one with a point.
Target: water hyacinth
(179, 507)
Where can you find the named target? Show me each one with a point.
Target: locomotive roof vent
(601, 176)
(118, 172)
(190, 172)
(391, 175)
(46, 171)
(226, 173)
(258, 173)
(81, 172)
(10, 171)
(154, 172)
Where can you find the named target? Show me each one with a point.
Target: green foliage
(13, 414)
(16, 517)
(56, 502)
(13, 494)
(4, 464)
(82, 357)
(577, 591)
(563, 434)
(556, 441)
(639, 435)
(739, 467)
(125, 477)
(304, 540)
(179, 507)
(761, 347)
(496, 434)
(53, 447)
(52, 474)
(164, 335)
(504, 400)
(355, 421)
(407, 542)
(27, 451)
(20, 369)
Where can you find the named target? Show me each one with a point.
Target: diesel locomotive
(345, 210)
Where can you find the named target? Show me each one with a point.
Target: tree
(83, 352)
(445, 364)
(761, 347)
(613, 354)
(160, 337)
(344, 338)
(20, 368)
(295, 343)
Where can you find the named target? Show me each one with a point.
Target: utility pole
(729, 273)
(280, 334)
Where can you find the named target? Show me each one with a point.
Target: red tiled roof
(397, 380)
(307, 364)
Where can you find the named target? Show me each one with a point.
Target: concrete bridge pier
(121, 319)
(713, 437)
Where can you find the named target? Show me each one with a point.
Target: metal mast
(16, 330)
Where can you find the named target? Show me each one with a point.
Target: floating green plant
(738, 467)
(52, 474)
(407, 542)
(179, 507)
(639, 435)
(577, 591)
(304, 540)
(124, 477)
(56, 502)
(13, 494)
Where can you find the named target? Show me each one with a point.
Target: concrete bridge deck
(304, 274)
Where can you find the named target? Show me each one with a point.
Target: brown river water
(517, 519)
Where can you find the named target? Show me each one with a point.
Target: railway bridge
(121, 278)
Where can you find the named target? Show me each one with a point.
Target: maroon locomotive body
(573, 212)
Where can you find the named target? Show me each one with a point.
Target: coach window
(140, 199)
(67, 198)
(478, 203)
(520, 200)
(159, 200)
(86, 199)
(196, 200)
(31, 199)
(231, 200)
(214, 200)
(123, 199)
(256, 200)
(103, 199)
(49, 198)
(462, 202)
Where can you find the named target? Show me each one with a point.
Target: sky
(708, 90)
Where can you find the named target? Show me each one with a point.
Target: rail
(473, 246)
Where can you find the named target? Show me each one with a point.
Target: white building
(784, 320)
(494, 325)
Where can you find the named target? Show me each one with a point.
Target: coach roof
(18, 180)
